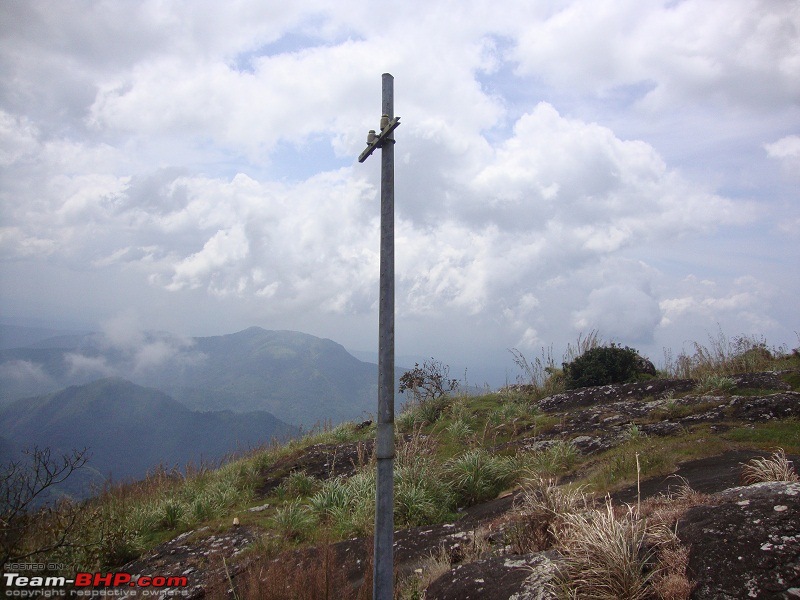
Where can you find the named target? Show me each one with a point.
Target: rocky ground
(744, 541)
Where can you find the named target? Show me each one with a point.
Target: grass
(605, 555)
(608, 552)
(678, 409)
(710, 383)
(723, 356)
(617, 467)
(557, 459)
(766, 436)
(298, 484)
(294, 520)
(413, 587)
(775, 468)
(478, 475)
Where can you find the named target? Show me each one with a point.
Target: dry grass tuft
(540, 509)
(775, 468)
(623, 553)
(316, 574)
(543, 494)
(670, 581)
(605, 555)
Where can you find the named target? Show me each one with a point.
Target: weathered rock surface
(200, 555)
(523, 577)
(747, 545)
(652, 389)
(599, 418)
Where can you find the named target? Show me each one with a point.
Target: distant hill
(302, 379)
(17, 336)
(130, 429)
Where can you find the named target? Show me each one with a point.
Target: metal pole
(383, 570)
(383, 556)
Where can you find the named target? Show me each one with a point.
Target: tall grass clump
(774, 468)
(298, 484)
(723, 357)
(539, 508)
(332, 498)
(539, 375)
(422, 492)
(294, 520)
(476, 475)
(557, 459)
(714, 383)
(605, 554)
(348, 505)
(540, 494)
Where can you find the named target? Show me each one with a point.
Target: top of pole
(387, 95)
(386, 134)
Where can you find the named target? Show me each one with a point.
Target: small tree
(428, 382)
(23, 485)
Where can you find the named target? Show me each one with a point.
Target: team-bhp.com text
(89, 584)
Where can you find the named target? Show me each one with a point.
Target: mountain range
(302, 379)
(128, 430)
(137, 400)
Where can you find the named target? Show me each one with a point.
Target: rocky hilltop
(664, 461)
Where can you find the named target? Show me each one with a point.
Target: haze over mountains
(137, 400)
(301, 379)
(129, 429)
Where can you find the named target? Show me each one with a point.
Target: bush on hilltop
(605, 365)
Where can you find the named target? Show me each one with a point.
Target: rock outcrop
(509, 577)
(746, 544)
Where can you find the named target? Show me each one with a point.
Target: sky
(630, 167)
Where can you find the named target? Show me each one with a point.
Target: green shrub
(294, 520)
(299, 484)
(602, 366)
(715, 383)
(477, 475)
(428, 382)
(556, 459)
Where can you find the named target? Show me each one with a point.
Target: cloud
(23, 371)
(742, 53)
(554, 197)
(622, 310)
(744, 305)
(96, 366)
(224, 247)
(123, 347)
(786, 151)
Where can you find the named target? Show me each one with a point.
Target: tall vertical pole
(383, 570)
(383, 563)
